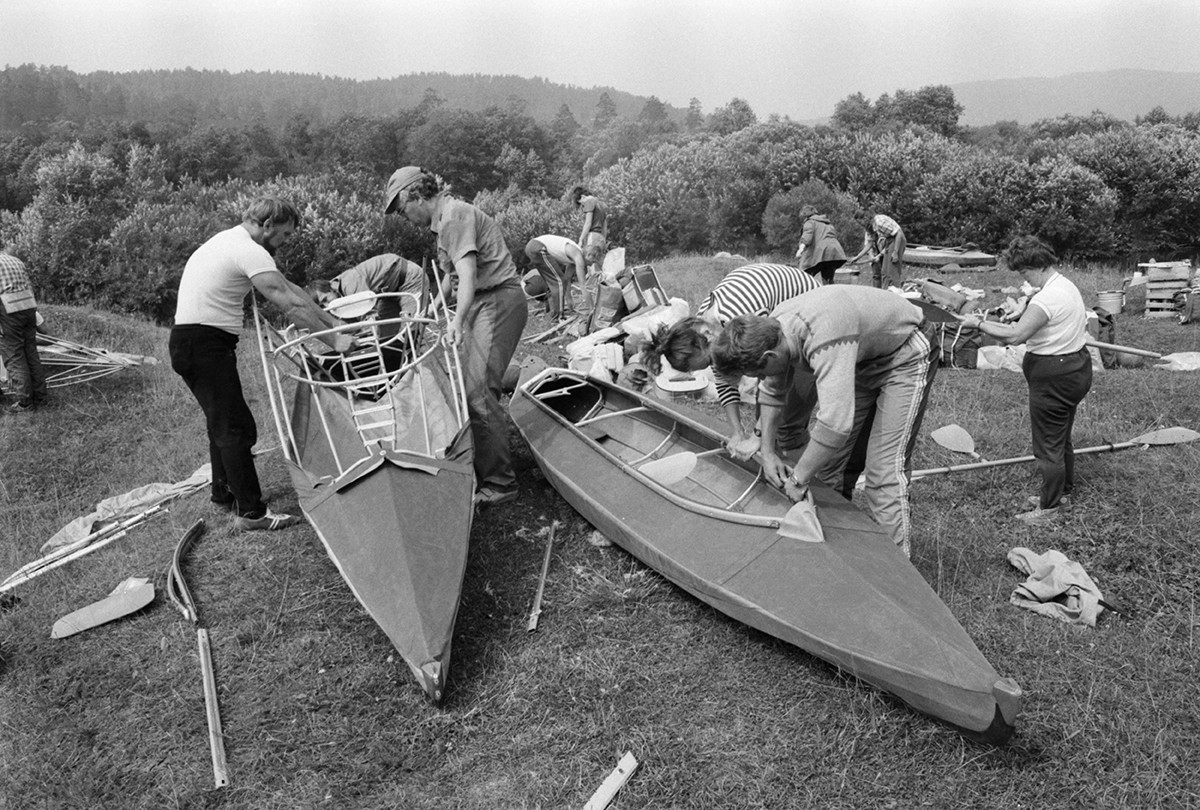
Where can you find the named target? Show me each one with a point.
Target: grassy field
(319, 712)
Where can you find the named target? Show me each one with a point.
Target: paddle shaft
(1124, 349)
(979, 465)
(536, 612)
(216, 740)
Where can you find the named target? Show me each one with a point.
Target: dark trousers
(18, 347)
(1057, 384)
(206, 358)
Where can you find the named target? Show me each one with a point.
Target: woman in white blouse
(1057, 367)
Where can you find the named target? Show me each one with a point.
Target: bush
(781, 223)
(150, 246)
(524, 216)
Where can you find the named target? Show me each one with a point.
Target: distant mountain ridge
(1124, 94)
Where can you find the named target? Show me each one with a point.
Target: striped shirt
(13, 277)
(752, 289)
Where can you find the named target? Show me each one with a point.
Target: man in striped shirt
(18, 343)
(752, 289)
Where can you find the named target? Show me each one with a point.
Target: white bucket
(1112, 301)
(845, 276)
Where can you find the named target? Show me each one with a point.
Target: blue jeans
(206, 358)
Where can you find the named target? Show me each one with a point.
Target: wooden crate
(1161, 285)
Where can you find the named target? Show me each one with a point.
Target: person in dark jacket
(820, 252)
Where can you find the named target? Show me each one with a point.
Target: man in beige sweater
(874, 363)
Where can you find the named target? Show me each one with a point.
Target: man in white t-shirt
(557, 260)
(203, 344)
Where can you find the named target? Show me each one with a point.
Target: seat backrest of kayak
(574, 399)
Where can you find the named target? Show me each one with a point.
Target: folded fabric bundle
(1057, 586)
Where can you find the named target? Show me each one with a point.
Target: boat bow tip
(1008, 695)
(432, 677)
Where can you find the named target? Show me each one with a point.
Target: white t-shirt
(217, 277)
(1067, 330)
(556, 246)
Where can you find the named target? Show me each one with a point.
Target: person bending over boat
(557, 260)
(752, 289)
(203, 344)
(820, 252)
(884, 241)
(874, 362)
(490, 315)
(382, 274)
(1057, 368)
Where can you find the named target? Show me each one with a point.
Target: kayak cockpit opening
(572, 398)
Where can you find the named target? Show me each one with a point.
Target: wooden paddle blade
(670, 469)
(1171, 435)
(955, 438)
(130, 596)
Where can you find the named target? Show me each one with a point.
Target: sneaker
(487, 496)
(268, 522)
(1036, 500)
(1040, 517)
(19, 407)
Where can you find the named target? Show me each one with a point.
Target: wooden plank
(1164, 274)
(615, 781)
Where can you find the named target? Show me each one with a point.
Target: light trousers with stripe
(891, 394)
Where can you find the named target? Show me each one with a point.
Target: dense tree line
(106, 207)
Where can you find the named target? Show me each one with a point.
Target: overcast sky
(791, 57)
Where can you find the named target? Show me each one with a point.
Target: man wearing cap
(557, 260)
(203, 345)
(490, 315)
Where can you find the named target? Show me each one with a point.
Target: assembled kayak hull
(720, 533)
(379, 448)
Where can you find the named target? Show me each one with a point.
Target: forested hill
(198, 97)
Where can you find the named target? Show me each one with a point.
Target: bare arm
(1031, 321)
(587, 227)
(465, 268)
(299, 308)
(576, 255)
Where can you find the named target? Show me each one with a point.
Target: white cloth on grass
(1057, 586)
(119, 507)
